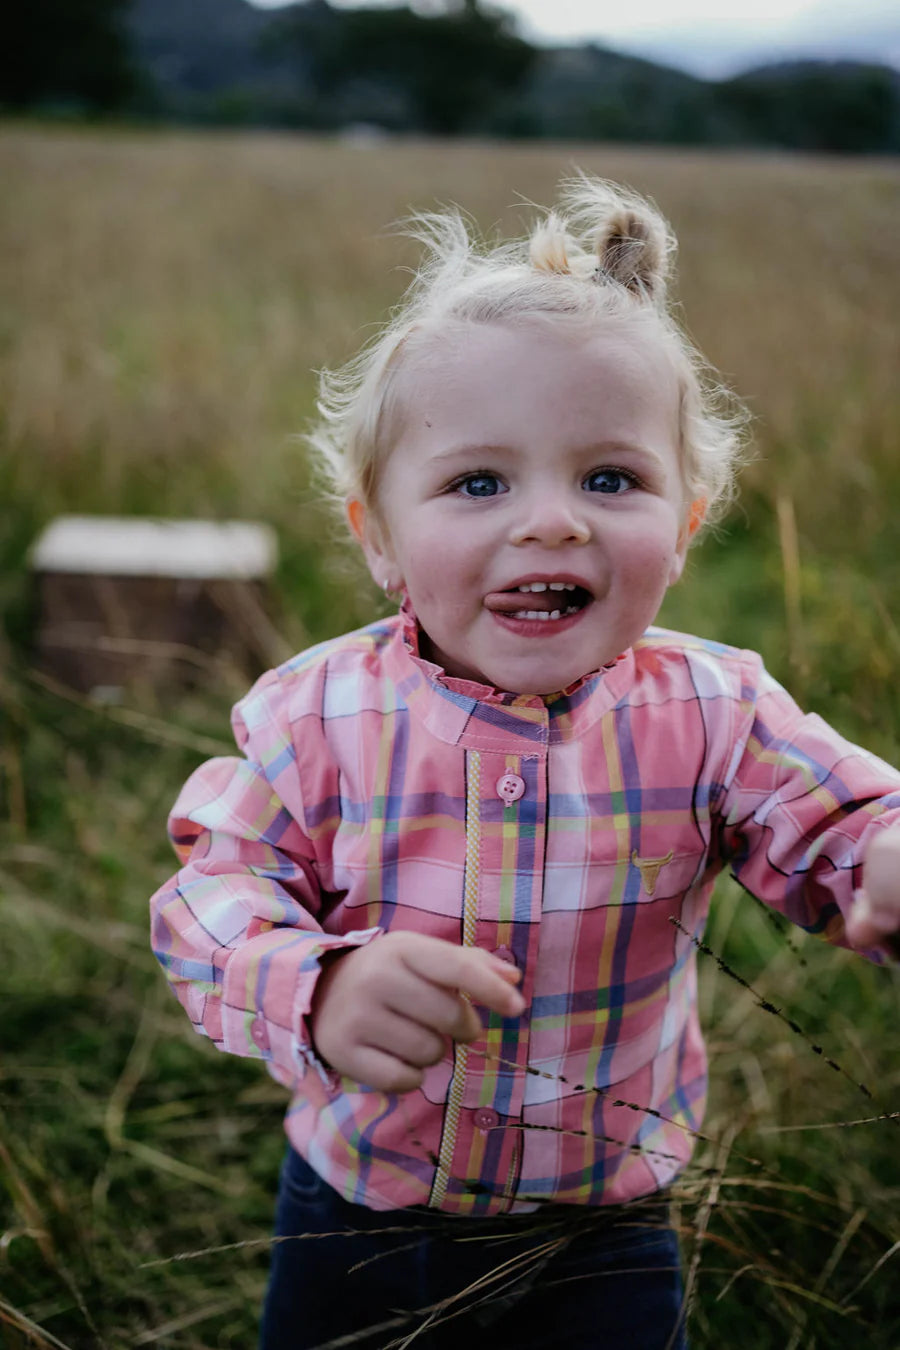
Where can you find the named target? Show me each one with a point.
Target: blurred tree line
(445, 67)
(66, 52)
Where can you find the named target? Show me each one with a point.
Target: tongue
(511, 602)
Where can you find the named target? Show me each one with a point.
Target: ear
(373, 539)
(695, 516)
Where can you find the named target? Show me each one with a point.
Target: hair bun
(625, 236)
(549, 246)
(633, 250)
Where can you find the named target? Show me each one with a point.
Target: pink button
(504, 954)
(486, 1119)
(259, 1034)
(510, 788)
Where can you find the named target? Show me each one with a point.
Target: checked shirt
(568, 834)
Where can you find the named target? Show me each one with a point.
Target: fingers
(486, 979)
(383, 1012)
(468, 1026)
(407, 1040)
(874, 920)
(383, 1071)
(392, 1051)
(881, 878)
(868, 927)
(439, 1006)
(442, 1010)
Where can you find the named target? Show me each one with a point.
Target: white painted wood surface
(221, 550)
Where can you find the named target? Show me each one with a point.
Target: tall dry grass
(169, 296)
(165, 298)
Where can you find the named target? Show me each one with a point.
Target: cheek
(439, 569)
(646, 569)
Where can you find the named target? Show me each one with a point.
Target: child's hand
(875, 918)
(382, 1013)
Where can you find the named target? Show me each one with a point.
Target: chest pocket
(597, 861)
(662, 868)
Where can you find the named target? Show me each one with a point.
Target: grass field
(164, 301)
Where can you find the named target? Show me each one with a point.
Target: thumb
(874, 919)
(867, 927)
(881, 875)
(860, 926)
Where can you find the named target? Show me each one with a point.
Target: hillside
(203, 56)
(225, 60)
(590, 91)
(443, 70)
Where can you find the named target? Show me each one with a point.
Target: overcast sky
(711, 37)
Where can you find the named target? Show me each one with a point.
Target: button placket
(510, 808)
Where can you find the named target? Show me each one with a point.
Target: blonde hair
(604, 255)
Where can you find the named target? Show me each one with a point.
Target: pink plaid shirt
(564, 833)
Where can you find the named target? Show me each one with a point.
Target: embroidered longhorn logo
(650, 869)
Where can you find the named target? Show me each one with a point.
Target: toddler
(436, 893)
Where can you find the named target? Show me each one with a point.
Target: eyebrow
(600, 450)
(463, 451)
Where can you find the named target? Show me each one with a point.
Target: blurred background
(197, 214)
(807, 74)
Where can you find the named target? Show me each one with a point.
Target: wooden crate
(125, 602)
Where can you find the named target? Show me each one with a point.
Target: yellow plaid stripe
(470, 915)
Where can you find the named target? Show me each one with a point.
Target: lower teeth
(544, 614)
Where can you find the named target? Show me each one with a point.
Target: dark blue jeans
(564, 1278)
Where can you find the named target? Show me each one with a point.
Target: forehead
(491, 381)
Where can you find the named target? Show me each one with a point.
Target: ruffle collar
(477, 714)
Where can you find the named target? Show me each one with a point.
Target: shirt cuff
(305, 1055)
(267, 991)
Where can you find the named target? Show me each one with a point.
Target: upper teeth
(544, 585)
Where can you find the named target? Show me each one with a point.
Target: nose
(550, 517)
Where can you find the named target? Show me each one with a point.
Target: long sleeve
(237, 928)
(798, 806)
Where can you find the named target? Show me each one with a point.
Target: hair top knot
(548, 247)
(605, 234)
(628, 240)
(633, 254)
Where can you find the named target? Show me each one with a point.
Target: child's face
(532, 457)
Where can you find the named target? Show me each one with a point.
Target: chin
(537, 685)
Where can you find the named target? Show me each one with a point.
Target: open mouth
(543, 601)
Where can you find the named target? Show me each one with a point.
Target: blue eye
(479, 485)
(611, 481)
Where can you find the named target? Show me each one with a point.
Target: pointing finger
(485, 978)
